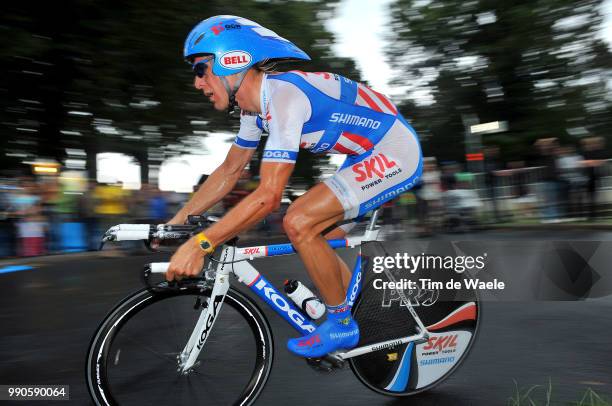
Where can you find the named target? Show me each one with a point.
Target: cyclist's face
(211, 86)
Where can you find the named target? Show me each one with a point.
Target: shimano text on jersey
(353, 119)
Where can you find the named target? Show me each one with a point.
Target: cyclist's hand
(187, 261)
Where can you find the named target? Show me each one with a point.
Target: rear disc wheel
(411, 368)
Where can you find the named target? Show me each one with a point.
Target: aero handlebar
(150, 232)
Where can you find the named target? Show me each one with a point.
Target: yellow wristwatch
(204, 243)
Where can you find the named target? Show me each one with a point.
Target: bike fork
(204, 325)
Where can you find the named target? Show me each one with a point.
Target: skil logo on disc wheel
(235, 59)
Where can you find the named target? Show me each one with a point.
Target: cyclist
(232, 59)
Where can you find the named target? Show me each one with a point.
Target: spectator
(572, 181)
(447, 179)
(594, 157)
(428, 195)
(31, 225)
(517, 170)
(110, 205)
(7, 219)
(158, 205)
(49, 192)
(491, 167)
(549, 186)
(87, 214)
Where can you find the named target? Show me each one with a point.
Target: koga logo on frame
(282, 305)
(210, 320)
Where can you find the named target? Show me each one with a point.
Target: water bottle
(304, 299)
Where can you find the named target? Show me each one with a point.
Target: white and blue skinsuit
(327, 113)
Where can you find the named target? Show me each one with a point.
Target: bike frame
(235, 260)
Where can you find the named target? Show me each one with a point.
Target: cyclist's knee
(298, 226)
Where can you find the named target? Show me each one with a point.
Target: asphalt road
(49, 314)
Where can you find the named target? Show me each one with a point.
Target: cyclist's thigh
(318, 208)
(391, 168)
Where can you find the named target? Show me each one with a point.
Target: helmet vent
(199, 39)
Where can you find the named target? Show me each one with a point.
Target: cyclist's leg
(339, 232)
(306, 219)
(365, 182)
(362, 184)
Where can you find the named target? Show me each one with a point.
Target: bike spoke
(127, 384)
(173, 328)
(169, 393)
(207, 390)
(152, 351)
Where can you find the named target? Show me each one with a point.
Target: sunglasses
(200, 67)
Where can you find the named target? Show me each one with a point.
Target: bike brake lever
(165, 285)
(145, 278)
(196, 220)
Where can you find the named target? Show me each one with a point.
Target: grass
(542, 395)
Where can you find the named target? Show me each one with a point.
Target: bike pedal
(326, 364)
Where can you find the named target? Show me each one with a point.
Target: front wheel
(133, 356)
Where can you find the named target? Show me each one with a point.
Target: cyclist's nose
(198, 83)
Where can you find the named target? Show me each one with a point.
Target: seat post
(373, 219)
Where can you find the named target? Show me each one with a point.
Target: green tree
(540, 65)
(122, 63)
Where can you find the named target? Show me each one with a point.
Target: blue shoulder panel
(337, 116)
(348, 90)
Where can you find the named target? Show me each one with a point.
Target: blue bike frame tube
(281, 305)
(285, 249)
(354, 287)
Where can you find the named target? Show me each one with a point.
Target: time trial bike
(203, 341)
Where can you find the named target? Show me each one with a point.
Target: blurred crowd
(41, 215)
(47, 214)
(558, 183)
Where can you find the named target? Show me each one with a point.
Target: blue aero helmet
(236, 45)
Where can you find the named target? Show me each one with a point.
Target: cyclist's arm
(289, 109)
(220, 182)
(188, 260)
(256, 206)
